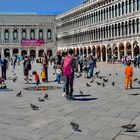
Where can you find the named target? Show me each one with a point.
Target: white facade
(104, 27)
(16, 27)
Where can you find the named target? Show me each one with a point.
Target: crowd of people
(65, 65)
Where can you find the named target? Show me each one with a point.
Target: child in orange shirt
(36, 79)
(128, 75)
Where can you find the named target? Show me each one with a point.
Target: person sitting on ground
(36, 79)
(128, 75)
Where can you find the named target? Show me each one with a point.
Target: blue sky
(37, 6)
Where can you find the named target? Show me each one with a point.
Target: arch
(121, 50)
(89, 50)
(40, 34)
(81, 51)
(15, 51)
(15, 34)
(109, 52)
(98, 52)
(93, 50)
(24, 52)
(40, 53)
(49, 34)
(49, 53)
(24, 34)
(32, 34)
(136, 48)
(128, 48)
(32, 53)
(7, 52)
(104, 52)
(77, 51)
(85, 50)
(6, 34)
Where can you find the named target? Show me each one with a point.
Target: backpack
(67, 66)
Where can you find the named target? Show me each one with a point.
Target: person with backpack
(68, 66)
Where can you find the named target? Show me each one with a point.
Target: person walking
(128, 75)
(4, 66)
(45, 66)
(26, 68)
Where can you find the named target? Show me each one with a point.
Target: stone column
(36, 33)
(132, 51)
(2, 52)
(36, 52)
(45, 35)
(118, 54)
(19, 51)
(125, 51)
(11, 52)
(19, 35)
(10, 35)
(28, 51)
(101, 56)
(2, 35)
(28, 33)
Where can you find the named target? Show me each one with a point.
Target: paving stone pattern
(100, 113)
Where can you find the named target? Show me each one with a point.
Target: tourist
(68, 72)
(4, 67)
(26, 68)
(45, 66)
(43, 76)
(58, 74)
(128, 75)
(92, 64)
(36, 79)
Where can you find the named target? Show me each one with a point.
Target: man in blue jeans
(4, 65)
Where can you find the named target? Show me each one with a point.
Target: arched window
(6, 35)
(49, 34)
(119, 30)
(133, 26)
(109, 12)
(112, 11)
(24, 34)
(96, 16)
(130, 6)
(104, 15)
(138, 25)
(138, 4)
(122, 29)
(32, 34)
(119, 9)
(15, 35)
(116, 29)
(112, 30)
(104, 33)
(129, 27)
(99, 33)
(101, 15)
(134, 5)
(109, 31)
(126, 28)
(40, 34)
(126, 7)
(122, 8)
(115, 10)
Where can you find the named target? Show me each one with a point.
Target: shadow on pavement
(82, 95)
(85, 99)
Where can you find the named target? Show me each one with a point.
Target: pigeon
(14, 73)
(113, 83)
(135, 79)
(19, 94)
(100, 77)
(34, 107)
(46, 96)
(98, 83)
(81, 92)
(91, 81)
(30, 79)
(110, 74)
(41, 100)
(128, 127)
(139, 82)
(88, 85)
(14, 80)
(116, 74)
(75, 126)
(105, 80)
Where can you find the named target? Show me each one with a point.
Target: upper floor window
(40, 34)
(49, 34)
(24, 35)
(15, 35)
(6, 35)
(32, 34)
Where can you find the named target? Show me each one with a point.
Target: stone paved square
(100, 114)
